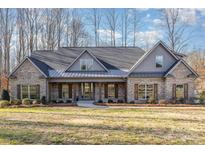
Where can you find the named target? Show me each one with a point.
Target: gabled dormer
(86, 62)
(158, 60)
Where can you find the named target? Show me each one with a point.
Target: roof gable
(75, 65)
(142, 59)
(32, 62)
(171, 70)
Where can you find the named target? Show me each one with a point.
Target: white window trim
(29, 92)
(145, 91)
(86, 63)
(156, 61)
(145, 87)
(176, 88)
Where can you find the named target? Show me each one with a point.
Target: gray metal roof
(111, 74)
(147, 74)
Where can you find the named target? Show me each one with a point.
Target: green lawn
(74, 125)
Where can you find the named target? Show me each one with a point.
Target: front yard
(75, 125)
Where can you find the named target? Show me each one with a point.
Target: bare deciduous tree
(112, 20)
(96, 20)
(7, 25)
(175, 29)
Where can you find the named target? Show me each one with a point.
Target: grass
(74, 125)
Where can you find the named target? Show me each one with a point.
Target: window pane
(65, 91)
(111, 90)
(25, 91)
(150, 91)
(141, 91)
(179, 91)
(89, 64)
(86, 64)
(34, 93)
(159, 61)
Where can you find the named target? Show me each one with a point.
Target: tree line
(23, 31)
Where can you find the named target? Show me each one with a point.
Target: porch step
(88, 104)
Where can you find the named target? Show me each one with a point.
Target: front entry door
(87, 90)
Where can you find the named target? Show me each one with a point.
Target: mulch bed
(61, 105)
(41, 105)
(150, 105)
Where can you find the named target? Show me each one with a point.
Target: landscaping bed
(150, 105)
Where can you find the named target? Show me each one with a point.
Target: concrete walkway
(89, 104)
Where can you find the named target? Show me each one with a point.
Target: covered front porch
(75, 91)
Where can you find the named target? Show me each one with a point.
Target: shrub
(181, 101)
(5, 95)
(120, 101)
(100, 101)
(53, 101)
(68, 101)
(110, 101)
(163, 101)
(15, 102)
(36, 101)
(202, 97)
(4, 103)
(172, 101)
(43, 100)
(26, 101)
(151, 101)
(60, 101)
(132, 102)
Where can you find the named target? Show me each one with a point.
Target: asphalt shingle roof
(111, 57)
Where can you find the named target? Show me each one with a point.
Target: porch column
(125, 87)
(100, 90)
(74, 93)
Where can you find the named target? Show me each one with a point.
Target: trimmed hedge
(15, 102)
(4, 103)
(26, 101)
(36, 101)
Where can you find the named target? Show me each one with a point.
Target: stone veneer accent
(132, 81)
(121, 91)
(27, 74)
(179, 76)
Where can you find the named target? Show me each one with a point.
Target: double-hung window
(86, 64)
(29, 91)
(111, 90)
(159, 61)
(146, 91)
(65, 91)
(180, 91)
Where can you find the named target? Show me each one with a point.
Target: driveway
(89, 104)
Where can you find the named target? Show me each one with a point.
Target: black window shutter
(18, 91)
(60, 90)
(174, 91)
(186, 91)
(38, 91)
(136, 91)
(106, 90)
(70, 90)
(116, 90)
(156, 91)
